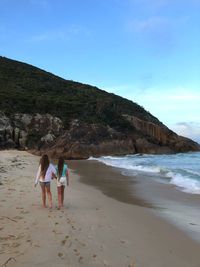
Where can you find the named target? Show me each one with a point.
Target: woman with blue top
(62, 180)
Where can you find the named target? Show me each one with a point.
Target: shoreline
(108, 180)
(92, 229)
(165, 200)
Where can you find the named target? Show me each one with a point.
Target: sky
(145, 50)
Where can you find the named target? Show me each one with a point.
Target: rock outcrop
(46, 134)
(81, 141)
(23, 131)
(159, 139)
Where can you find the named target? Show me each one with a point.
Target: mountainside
(45, 113)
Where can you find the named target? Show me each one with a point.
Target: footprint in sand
(20, 236)
(105, 263)
(132, 264)
(24, 212)
(68, 220)
(18, 218)
(63, 242)
(124, 242)
(77, 253)
(37, 246)
(11, 261)
(80, 243)
(56, 232)
(80, 259)
(15, 245)
(60, 254)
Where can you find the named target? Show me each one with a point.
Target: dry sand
(91, 230)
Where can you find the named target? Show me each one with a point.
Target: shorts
(62, 181)
(44, 184)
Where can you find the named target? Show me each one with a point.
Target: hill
(45, 113)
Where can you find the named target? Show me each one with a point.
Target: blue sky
(144, 50)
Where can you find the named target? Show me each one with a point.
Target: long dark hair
(44, 163)
(60, 166)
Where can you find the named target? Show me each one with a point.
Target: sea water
(182, 169)
(170, 182)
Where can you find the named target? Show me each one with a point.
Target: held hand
(53, 176)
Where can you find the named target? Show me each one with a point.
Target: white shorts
(62, 181)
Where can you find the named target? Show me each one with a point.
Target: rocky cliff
(46, 134)
(47, 114)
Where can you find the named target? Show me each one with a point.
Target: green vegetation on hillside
(27, 89)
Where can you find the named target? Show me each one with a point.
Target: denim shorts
(47, 184)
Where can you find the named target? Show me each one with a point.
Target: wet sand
(166, 200)
(92, 229)
(108, 180)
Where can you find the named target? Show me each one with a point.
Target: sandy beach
(91, 230)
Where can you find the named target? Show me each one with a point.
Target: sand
(91, 230)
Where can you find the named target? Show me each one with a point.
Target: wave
(181, 170)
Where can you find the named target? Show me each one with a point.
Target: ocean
(171, 183)
(181, 170)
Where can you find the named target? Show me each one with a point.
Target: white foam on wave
(124, 163)
(177, 170)
(186, 184)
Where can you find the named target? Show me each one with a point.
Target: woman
(45, 174)
(62, 180)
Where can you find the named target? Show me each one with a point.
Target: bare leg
(43, 195)
(59, 196)
(49, 195)
(62, 194)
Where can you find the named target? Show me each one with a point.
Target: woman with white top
(62, 180)
(46, 172)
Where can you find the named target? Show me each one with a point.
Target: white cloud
(188, 129)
